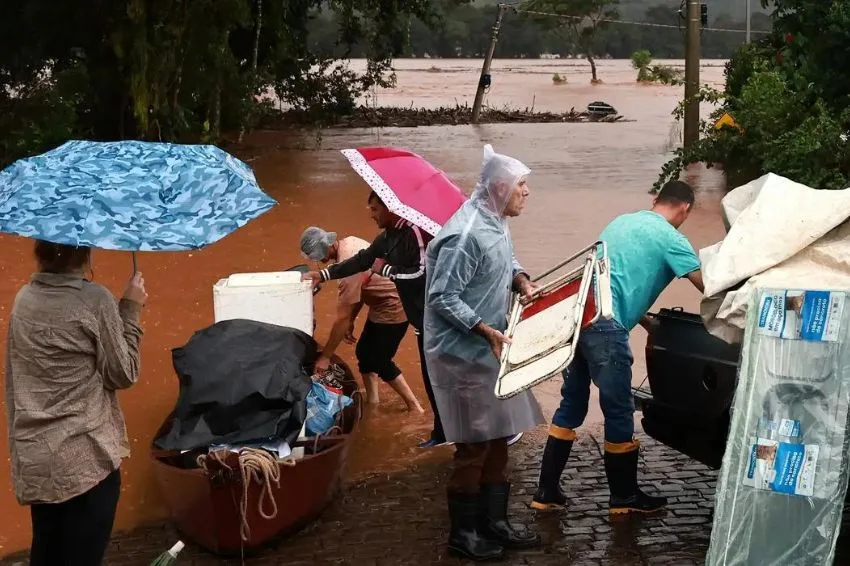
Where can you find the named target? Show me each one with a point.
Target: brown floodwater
(583, 176)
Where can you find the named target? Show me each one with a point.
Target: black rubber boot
(494, 519)
(555, 457)
(626, 496)
(465, 538)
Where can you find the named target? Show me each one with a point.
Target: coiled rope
(255, 466)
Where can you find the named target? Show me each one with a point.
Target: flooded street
(583, 176)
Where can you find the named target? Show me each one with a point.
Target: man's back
(646, 254)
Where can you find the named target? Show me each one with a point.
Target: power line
(625, 22)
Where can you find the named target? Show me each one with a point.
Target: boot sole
(525, 545)
(540, 506)
(629, 510)
(460, 553)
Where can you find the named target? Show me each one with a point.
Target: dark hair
(374, 196)
(60, 258)
(676, 192)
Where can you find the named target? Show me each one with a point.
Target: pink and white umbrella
(411, 187)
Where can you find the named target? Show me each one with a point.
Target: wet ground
(400, 519)
(583, 176)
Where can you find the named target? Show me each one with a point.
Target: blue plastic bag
(322, 408)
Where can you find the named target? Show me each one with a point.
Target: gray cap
(316, 243)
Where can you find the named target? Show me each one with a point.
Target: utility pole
(692, 59)
(749, 16)
(484, 81)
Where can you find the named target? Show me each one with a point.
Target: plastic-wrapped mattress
(785, 470)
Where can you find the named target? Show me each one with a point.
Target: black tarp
(240, 380)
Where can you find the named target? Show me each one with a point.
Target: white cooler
(276, 298)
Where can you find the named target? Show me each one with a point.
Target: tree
(581, 18)
(641, 60)
(790, 100)
(183, 69)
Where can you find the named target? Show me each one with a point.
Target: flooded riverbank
(583, 175)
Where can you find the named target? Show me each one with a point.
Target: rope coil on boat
(255, 466)
(263, 468)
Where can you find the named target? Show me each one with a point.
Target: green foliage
(43, 115)
(665, 75)
(641, 60)
(647, 72)
(751, 57)
(788, 96)
(558, 79)
(183, 69)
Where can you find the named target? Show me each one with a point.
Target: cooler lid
(262, 279)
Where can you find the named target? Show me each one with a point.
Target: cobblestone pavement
(401, 519)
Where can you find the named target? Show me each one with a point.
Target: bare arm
(695, 277)
(355, 311)
(495, 338)
(349, 334)
(339, 329)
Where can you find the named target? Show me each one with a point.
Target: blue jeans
(603, 356)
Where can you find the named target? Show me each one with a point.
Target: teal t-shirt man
(646, 252)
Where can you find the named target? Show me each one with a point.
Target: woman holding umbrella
(71, 345)
(71, 348)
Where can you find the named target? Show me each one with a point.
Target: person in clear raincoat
(471, 272)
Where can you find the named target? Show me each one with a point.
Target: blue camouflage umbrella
(130, 195)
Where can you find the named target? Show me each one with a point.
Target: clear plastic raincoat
(470, 271)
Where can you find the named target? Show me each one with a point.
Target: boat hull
(205, 507)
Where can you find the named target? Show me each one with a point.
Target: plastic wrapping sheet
(801, 237)
(784, 476)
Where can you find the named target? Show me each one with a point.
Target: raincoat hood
(500, 174)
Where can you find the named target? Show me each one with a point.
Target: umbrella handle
(135, 270)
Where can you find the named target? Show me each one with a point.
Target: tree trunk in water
(593, 78)
(254, 58)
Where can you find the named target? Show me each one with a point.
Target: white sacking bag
(783, 234)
